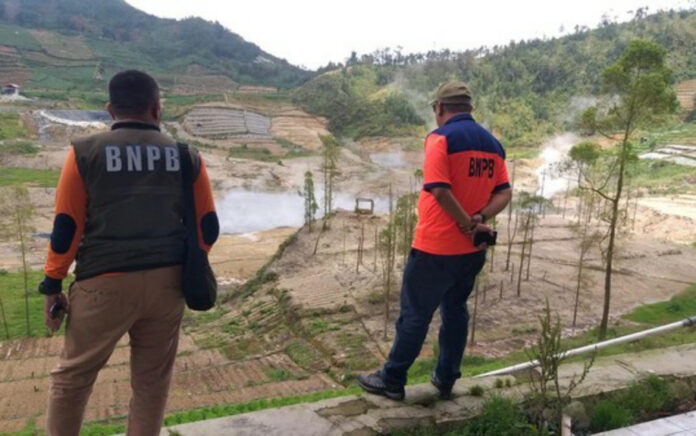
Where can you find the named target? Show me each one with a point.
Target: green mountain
(74, 44)
(524, 90)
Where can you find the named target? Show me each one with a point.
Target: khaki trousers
(148, 305)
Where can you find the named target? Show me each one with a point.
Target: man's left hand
(478, 229)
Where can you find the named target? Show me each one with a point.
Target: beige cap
(453, 93)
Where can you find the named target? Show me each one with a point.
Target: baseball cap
(453, 93)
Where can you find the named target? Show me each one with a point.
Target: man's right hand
(52, 323)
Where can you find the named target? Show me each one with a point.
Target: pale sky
(311, 33)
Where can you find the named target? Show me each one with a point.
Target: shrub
(499, 417)
(646, 397)
(476, 391)
(608, 415)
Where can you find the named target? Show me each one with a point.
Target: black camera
(488, 238)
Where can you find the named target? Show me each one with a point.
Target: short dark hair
(457, 108)
(132, 92)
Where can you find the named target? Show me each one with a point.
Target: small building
(11, 89)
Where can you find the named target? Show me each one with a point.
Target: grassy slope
(646, 316)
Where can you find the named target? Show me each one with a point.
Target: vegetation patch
(244, 347)
(13, 148)
(12, 127)
(18, 37)
(26, 176)
(14, 323)
(303, 353)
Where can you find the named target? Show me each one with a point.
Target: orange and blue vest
(466, 158)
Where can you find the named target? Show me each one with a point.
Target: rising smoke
(550, 174)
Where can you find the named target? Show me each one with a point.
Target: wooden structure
(364, 206)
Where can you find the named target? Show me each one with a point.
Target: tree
(639, 90)
(548, 397)
(15, 216)
(329, 168)
(310, 200)
(587, 238)
(529, 205)
(405, 220)
(510, 233)
(388, 248)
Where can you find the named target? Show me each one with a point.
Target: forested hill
(524, 90)
(64, 43)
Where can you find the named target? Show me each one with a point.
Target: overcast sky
(311, 33)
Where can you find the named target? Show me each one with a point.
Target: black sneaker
(374, 383)
(445, 389)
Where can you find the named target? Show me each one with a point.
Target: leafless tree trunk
(4, 319)
(389, 259)
(374, 261)
(25, 270)
(531, 246)
(524, 246)
(361, 246)
(510, 233)
(585, 246)
(565, 199)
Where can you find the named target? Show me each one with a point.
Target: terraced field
(62, 46)
(686, 93)
(201, 378)
(12, 69)
(223, 123)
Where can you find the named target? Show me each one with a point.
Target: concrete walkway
(362, 415)
(679, 425)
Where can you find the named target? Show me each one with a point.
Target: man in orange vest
(465, 184)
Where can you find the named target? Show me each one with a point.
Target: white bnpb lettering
(135, 162)
(153, 154)
(171, 158)
(113, 159)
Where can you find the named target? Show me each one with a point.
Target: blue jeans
(431, 281)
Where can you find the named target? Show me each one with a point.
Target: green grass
(20, 176)
(674, 133)
(244, 152)
(11, 127)
(106, 428)
(302, 353)
(86, 100)
(521, 153)
(211, 315)
(13, 148)
(18, 37)
(644, 400)
(499, 417)
(279, 375)
(12, 286)
(680, 306)
(662, 176)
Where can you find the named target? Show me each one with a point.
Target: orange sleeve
(502, 181)
(436, 170)
(69, 222)
(206, 217)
